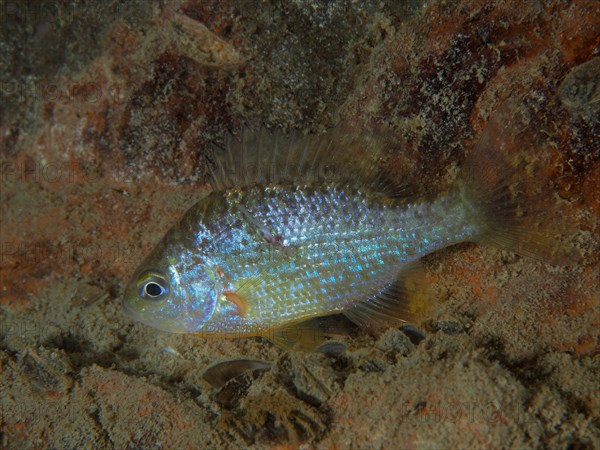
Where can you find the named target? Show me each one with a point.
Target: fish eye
(153, 287)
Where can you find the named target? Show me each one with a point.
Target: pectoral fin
(239, 301)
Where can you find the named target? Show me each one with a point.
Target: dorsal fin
(259, 157)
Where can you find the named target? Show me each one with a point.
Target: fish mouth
(129, 310)
(135, 314)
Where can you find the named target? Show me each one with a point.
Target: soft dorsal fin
(259, 157)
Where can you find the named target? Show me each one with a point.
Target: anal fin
(404, 300)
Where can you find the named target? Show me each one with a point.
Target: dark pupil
(153, 289)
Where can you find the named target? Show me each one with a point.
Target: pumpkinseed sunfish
(266, 252)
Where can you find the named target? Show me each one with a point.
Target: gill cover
(195, 295)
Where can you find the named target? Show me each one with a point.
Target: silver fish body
(291, 253)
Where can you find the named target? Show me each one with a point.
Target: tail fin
(518, 212)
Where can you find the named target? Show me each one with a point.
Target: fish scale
(346, 245)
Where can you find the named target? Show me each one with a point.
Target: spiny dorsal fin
(259, 157)
(402, 301)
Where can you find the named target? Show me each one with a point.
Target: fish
(298, 228)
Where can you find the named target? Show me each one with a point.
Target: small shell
(235, 389)
(171, 351)
(581, 87)
(332, 348)
(220, 373)
(197, 42)
(414, 334)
